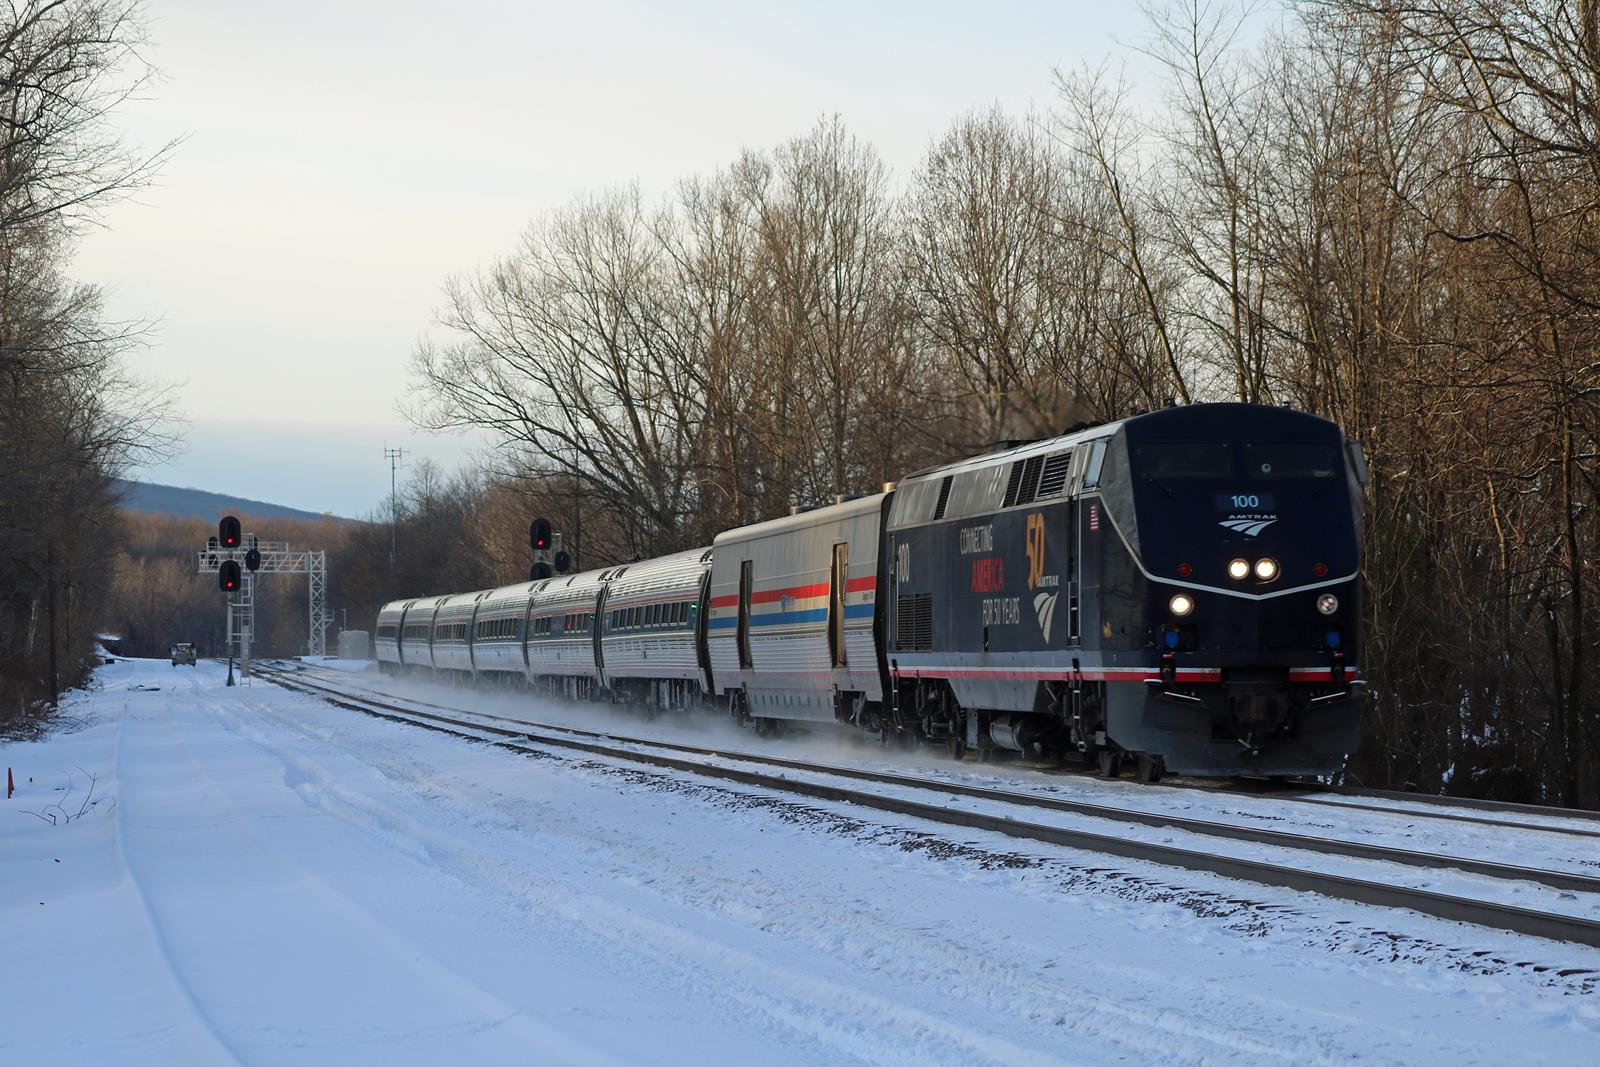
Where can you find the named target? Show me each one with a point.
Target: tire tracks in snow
(225, 1050)
(255, 1019)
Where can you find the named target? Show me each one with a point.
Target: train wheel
(1110, 763)
(957, 747)
(1150, 768)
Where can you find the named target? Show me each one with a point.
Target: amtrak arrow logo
(1248, 527)
(1044, 605)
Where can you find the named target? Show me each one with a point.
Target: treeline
(158, 597)
(465, 531)
(1385, 213)
(70, 418)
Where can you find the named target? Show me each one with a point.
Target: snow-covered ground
(262, 878)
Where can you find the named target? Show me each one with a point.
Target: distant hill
(171, 500)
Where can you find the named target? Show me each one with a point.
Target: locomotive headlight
(1181, 604)
(1239, 570)
(1327, 603)
(1266, 569)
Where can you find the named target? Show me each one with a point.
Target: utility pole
(393, 455)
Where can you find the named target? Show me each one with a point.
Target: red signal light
(228, 575)
(1320, 570)
(1184, 570)
(228, 532)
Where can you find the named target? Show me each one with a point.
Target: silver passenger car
(650, 624)
(386, 638)
(452, 632)
(498, 630)
(791, 627)
(416, 633)
(561, 638)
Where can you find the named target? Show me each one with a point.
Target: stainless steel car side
(497, 632)
(561, 643)
(650, 628)
(791, 631)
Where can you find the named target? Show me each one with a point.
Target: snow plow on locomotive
(1179, 589)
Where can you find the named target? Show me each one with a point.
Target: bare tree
(564, 353)
(1096, 125)
(70, 418)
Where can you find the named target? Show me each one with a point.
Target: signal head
(228, 531)
(562, 561)
(252, 560)
(540, 534)
(539, 571)
(228, 575)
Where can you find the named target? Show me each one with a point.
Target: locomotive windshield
(1173, 460)
(1159, 460)
(1291, 459)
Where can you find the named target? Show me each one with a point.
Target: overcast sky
(342, 159)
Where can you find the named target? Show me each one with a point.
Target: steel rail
(1430, 800)
(1469, 802)
(1444, 906)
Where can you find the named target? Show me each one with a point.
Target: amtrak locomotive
(1180, 589)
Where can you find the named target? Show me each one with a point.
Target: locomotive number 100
(1244, 501)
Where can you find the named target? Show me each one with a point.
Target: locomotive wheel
(1150, 768)
(1110, 763)
(957, 747)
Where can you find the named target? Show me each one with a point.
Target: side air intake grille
(914, 623)
(1024, 484)
(944, 498)
(1054, 479)
(1013, 484)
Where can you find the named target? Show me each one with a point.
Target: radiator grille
(914, 622)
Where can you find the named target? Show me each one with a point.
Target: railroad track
(1428, 806)
(1467, 802)
(519, 733)
(1427, 801)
